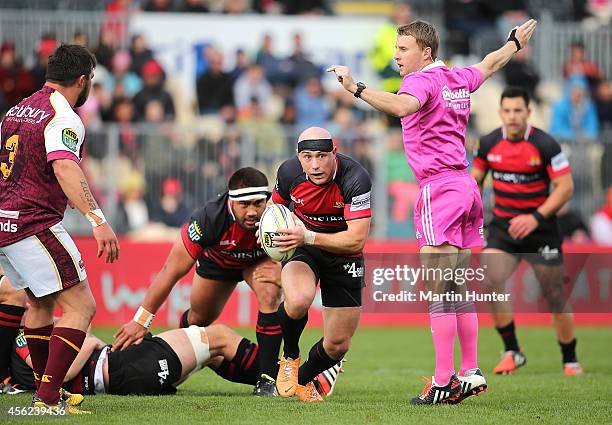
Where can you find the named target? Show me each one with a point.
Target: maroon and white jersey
(213, 232)
(325, 208)
(37, 131)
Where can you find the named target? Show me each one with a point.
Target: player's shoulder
(352, 172)
(64, 114)
(290, 169)
(542, 139)
(489, 140)
(215, 211)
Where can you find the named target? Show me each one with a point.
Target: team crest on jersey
(534, 161)
(194, 231)
(70, 139)
(339, 204)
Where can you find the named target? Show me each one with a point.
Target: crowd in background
(268, 97)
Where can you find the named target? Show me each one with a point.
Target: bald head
(314, 133)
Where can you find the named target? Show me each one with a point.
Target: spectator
(302, 69)
(520, 72)
(194, 6)
(121, 74)
(172, 210)
(464, 19)
(265, 132)
(215, 87)
(604, 104)
(153, 78)
(578, 64)
(235, 7)
(382, 55)
(80, 38)
(115, 26)
(16, 82)
(267, 6)
(276, 70)
(140, 53)
(133, 213)
(601, 223)
(46, 47)
(106, 48)
(312, 109)
(129, 144)
(574, 117)
(252, 84)
(241, 64)
(158, 6)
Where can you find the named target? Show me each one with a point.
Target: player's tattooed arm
(74, 184)
(87, 196)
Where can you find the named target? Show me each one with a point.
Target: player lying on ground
(433, 104)
(220, 240)
(156, 366)
(525, 161)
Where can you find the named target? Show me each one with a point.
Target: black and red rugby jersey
(214, 233)
(521, 170)
(325, 208)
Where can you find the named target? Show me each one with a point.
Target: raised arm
(518, 38)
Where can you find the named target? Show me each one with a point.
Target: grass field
(382, 373)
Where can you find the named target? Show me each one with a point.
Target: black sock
(269, 338)
(318, 361)
(244, 367)
(10, 321)
(509, 336)
(292, 330)
(569, 351)
(184, 323)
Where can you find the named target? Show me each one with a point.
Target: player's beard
(83, 95)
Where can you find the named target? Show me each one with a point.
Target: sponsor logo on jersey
(494, 158)
(8, 226)
(481, 232)
(534, 161)
(70, 139)
(325, 218)
(418, 234)
(227, 242)
(297, 200)
(194, 232)
(559, 162)
(460, 95)
(515, 177)
(246, 255)
(361, 202)
(164, 373)
(25, 111)
(81, 264)
(21, 341)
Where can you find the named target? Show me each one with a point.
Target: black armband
(539, 217)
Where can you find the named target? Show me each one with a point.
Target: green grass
(382, 374)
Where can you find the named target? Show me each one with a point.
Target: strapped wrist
(512, 37)
(539, 217)
(143, 317)
(309, 236)
(96, 217)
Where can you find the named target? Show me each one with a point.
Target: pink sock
(443, 332)
(467, 329)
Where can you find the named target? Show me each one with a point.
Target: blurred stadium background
(187, 91)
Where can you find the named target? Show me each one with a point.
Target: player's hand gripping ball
(273, 218)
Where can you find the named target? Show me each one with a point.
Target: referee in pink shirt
(433, 104)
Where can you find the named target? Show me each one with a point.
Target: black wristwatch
(360, 87)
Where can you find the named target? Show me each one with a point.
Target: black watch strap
(538, 216)
(360, 87)
(512, 37)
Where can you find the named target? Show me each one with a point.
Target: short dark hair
(247, 177)
(512, 92)
(68, 63)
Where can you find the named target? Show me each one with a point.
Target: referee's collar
(436, 64)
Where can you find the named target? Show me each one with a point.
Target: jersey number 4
(11, 147)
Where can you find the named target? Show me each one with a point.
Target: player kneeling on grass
(156, 366)
(330, 193)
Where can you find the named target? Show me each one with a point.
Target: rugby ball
(275, 217)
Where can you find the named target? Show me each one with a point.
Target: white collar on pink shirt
(434, 65)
